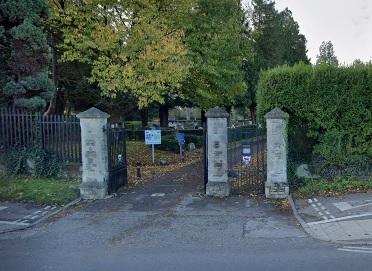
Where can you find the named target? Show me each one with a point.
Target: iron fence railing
(56, 134)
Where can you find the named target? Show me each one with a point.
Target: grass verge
(37, 190)
(338, 186)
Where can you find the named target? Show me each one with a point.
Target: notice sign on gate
(152, 137)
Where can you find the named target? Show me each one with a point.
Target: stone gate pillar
(94, 153)
(276, 185)
(218, 182)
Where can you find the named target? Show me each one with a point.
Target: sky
(347, 23)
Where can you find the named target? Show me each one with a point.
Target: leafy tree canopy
(327, 54)
(24, 79)
(216, 46)
(132, 46)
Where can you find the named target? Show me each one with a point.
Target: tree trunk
(56, 104)
(252, 109)
(145, 117)
(163, 115)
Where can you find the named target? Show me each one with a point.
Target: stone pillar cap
(93, 113)
(217, 112)
(276, 113)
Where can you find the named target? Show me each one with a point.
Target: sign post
(153, 137)
(181, 142)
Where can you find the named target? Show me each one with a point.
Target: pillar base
(276, 190)
(93, 190)
(218, 189)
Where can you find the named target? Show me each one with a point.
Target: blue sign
(181, 138)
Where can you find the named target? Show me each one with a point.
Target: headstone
(218, 182)
(163, 162)
(93, 124)
(191, 147)
(303, 171)
(276, 185)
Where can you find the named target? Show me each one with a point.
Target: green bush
(332, 105)
(33, 161)
(168, 143)
(196, 139)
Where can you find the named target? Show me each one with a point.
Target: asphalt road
(169, 226)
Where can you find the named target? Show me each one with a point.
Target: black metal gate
(247, 159)
(117, 158)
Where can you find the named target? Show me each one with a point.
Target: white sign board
(152, 137)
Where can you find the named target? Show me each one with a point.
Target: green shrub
(196, 139)
(168, 143)
(33, 161)
(332, 105)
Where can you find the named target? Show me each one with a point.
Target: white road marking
(316, 208)
(323, 209)
(339, 219)
(344, 206)
(158, 195)
(3, 208)
(364, 248)
(357, 249)
(14, 223)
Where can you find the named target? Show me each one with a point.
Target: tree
(132, 46)
(215, 45)
(326, 54)
(273, 38)
(266, 34)
(293, 44)
(24, 54)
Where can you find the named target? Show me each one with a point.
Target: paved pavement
(15, 216)
(338, 219)
(168, 225)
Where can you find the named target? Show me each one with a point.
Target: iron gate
(247, 159)
(117, 158)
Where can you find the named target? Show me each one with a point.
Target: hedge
(330, 105)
